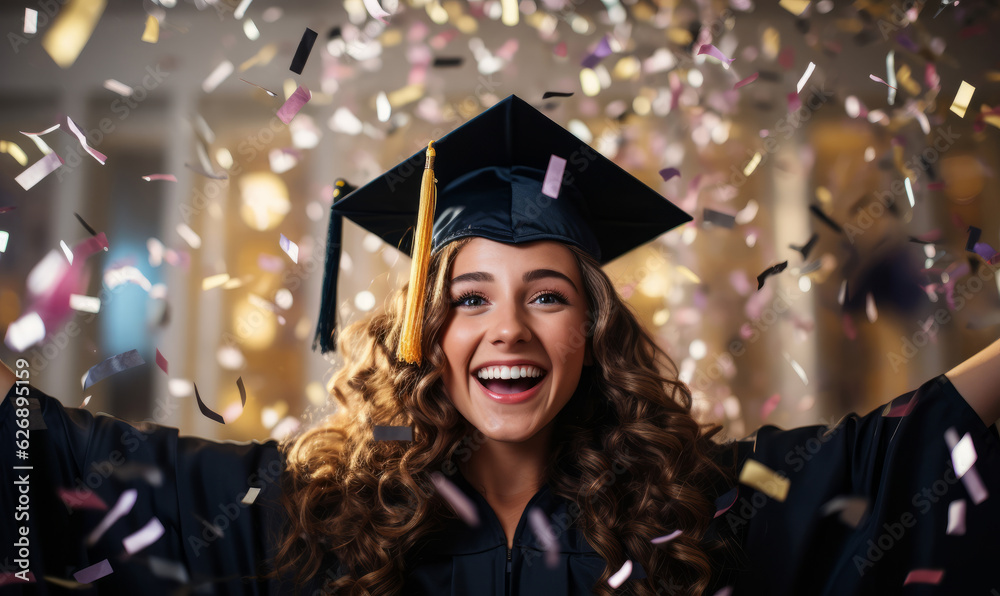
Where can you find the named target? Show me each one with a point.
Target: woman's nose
(509, 326)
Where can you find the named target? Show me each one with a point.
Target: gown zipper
(507, 582)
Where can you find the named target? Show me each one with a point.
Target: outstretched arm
(978, 380)
(6, 381)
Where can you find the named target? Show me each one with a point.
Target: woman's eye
(550, 298)
(470, 301)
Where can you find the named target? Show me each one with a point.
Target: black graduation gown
(215, 542)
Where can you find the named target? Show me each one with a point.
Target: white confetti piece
(797, 368)
(241, 9)
(145, 536)
(84, 303)
(118, 87)
(4, 237)
(621, 575)
(25, 332)
(963, 455)
(890, 67)
(125, 503)
(126, 274)
(171, 570)
(805, 77)
(189, 235)
(956, 518)
(377, 12)
(456, 499)
(909, 191)
(39, 170)
(973, 483)
(100, 157)
(251, 496)
(870, 310)
(291, 249)
(66, 251)
(30, 21)
(221, 73)
(668, 537)
(214, 281)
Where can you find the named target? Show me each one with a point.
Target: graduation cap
(511, 175)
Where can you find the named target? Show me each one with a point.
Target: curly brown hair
(359, 505)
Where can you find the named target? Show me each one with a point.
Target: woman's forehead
(483, 254)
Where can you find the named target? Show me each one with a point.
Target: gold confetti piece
(72, 29)
(261, 58)
(796, 7)
(214, 281)
(962, 98)
(14, 150)
(752, 165)
(251, 496)
(152, 32)
(764, 479)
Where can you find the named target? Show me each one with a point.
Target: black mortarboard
(491, 182)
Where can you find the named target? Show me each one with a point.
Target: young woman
(507, 426)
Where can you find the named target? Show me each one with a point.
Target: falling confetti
(668, 173)
(161, 362)
(151, 34)
(668, 537)
(374, 9)
(553, 177)
(621, 575)
(723, 220)
(746, 81)
(166, 177)
(807, 247)
(961, 457)
(851, 509)
(94, 572)
(38, 171)
(303, 51)
(543, 531)
(549, 94)
(252, 493)
(716, 53)
(143, 537)
(221, 73)
(113, 365)
(956, 518)
(72, 29)
(205, 410)
(924, 576)
(100, 157)
(756, 475)
(81, 498)
(294, 103)
(291, 249)
(805, 77)
(456, 498)
(125, 503)
(773, 270)
(392, 433)
(725, 502)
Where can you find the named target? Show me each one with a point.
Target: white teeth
(509, 372)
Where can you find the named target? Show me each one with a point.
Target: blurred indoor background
(841, 140)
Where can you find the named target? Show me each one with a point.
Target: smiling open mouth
(507, 380)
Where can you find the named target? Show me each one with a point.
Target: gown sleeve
(925, 529)
(196, 502)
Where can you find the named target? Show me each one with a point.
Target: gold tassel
(409, 340)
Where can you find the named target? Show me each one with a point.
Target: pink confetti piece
(931, 77)
(543, 531)
(724, 591)
(125, 503)
(769, 406)
(900, 409)
(786, 57)
(376, 11)
(9, 577)
(560, 50)
(956, 518)
(81, 498)
(291, 249)
(848, 325)
(88, 246)
(294, 103)
(621, 575)
(166, 177)
(39, 170)
(113, 365)
(554, 176)
(456, 498)
(143, 537)
(668, 173)
(161, 362)
(7, 209)
(880, 80)
(667, 538)
(93, 573)
(100, 157)
(724, 503)
(924, 576)
(270, 263)
(794, 102)
(746, 81)
(715, 52)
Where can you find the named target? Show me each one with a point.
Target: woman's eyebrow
(544, 273)
(474, 276)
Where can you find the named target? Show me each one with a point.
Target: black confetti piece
(243, 391)
(303, 51)
(807, 247)
(769, 272)
(85, 225)
(823, 217)
(549, 94)
(334, 33)
(204, 409)
(446, 62)
(974, 233)
(719, 218)
(393, 433)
